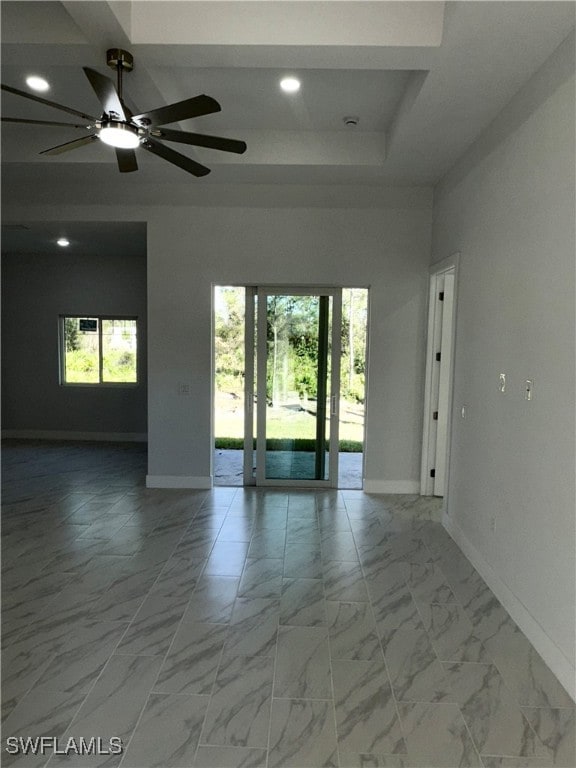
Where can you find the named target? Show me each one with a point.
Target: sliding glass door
(296, 336)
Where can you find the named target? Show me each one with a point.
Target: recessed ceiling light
(37, 83)
(63, 242)
(290, 84)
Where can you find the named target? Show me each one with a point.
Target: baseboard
(392, 486)
(178, 481)
(548, 650)
(54, 434)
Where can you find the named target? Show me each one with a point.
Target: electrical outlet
(184, 389)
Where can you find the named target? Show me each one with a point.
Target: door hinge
(432, 473)
(438, 356)
(441, 296)
(435, 415)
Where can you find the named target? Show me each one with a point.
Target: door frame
(250, 294)
(334, 399)
(438, 272)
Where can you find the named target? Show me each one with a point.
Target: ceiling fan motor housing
(116, 57)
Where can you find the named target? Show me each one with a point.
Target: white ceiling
(424, 78)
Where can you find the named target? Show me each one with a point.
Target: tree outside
(292, 336)
(107, 353)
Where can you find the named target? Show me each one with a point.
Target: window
(98, 350)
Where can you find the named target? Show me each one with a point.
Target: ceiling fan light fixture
(119, 135)
(37, 83)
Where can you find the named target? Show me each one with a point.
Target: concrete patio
(228, 469)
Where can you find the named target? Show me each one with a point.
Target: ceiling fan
(125, 131)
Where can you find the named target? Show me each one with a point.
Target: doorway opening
(289, 386)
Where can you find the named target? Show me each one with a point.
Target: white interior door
(445, 368)
(439, 368)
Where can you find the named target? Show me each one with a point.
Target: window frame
(62, 352)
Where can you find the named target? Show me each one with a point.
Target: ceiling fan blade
(181, 110)
(30, 96)
(186, 163)
(202, 140)
(126, 160)
(41, 122)
(106, 92)
(70, 145)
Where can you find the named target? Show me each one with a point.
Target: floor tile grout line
(490, 656)
(85, 699)
(138, 721)
(274, 666)
(491, 662)
(210, 696)
(371, 608)
(56, 654)
(165, 655)
(386, 667)
(217, 670)
(330, 665)
(302, 698)
(29, 690)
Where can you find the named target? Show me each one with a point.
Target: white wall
(508, 208)
(36, 290)
(189, 250)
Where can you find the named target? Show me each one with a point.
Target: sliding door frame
(260, 324)
(249, 379)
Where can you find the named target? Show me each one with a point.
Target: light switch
(529, 389)
(463, 411)
(502, 383)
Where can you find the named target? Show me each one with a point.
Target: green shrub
(286, 444)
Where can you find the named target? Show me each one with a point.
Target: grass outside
(295, 422)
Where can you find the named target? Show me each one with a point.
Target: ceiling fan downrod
(120, 60)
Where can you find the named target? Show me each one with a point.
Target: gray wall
(508, 208)
(36, 289)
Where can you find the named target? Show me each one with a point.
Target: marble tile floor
(244, 627)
